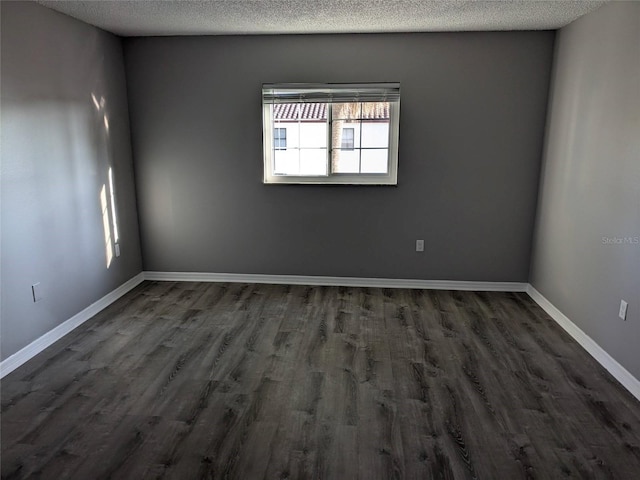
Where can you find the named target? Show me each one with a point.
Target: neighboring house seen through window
(280, 138)
(347, 138)
(331, 133)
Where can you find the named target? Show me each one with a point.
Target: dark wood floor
(202, 380)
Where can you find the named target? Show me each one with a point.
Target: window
(347, 138)
(331, 133)
(280, 138)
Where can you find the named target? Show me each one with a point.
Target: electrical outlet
(419, 245)
(117, 249)
(36, 291)
(623, 310)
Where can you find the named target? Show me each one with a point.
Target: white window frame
(329, 93)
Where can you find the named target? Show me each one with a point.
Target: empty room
(338, 239)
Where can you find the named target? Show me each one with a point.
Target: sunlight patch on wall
(108, 198)
(116, 236)
(106, 226)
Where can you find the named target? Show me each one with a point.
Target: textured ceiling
(218, 17)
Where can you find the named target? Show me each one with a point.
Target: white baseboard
(620, 373)
(9, 364)
(609, 363)
(336, 281)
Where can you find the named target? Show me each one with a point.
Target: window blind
(330, 93)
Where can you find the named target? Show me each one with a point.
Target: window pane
(345, 133)
(281, 130)
(346, 161)
(288, 112)
(313, 161)
(375, 134)
(313, 134)
(374, 161)
(375, 111)
(300, 162)
(286, 162)
(346, 111)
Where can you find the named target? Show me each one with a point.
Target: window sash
(330, 93)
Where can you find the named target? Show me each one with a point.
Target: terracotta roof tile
(318, 111)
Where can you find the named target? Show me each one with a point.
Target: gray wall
(56, 152)
(471, 130)
(590, 186)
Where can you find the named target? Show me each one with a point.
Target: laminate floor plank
(219, 380)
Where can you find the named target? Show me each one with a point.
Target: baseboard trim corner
(620, 373)
(9, 364)
(336, 281)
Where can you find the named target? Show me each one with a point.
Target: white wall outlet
(117, 249)
(36, 291)
(419, 245)
(623, 310)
